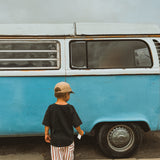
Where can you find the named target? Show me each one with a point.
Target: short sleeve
(76, 120)
(46, 119)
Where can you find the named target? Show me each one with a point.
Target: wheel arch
(142, 124)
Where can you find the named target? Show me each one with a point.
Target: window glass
(78, 54)
(118, 54)
(28, 64)
(111, 54)
(29, 54)
(26, 45)
(142, 57)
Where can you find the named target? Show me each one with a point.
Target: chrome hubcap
(120, 138)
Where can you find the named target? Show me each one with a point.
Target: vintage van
(112, 68)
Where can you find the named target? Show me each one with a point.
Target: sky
(69, 11)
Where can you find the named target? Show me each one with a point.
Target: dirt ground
(84, 149)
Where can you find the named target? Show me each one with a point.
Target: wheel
(119, 140)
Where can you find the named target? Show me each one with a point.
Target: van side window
(29, 54)
(78, 54)
(111, 54)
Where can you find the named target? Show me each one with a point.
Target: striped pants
(62, 153)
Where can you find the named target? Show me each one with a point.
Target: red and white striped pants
(62, 153)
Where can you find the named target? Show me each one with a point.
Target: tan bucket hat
(62, 87)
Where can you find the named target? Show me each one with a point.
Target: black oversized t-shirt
(61, 119)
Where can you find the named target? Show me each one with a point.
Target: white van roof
(37, 29)
(77, 29)
(115, 29)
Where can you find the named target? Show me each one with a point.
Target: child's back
(60, 118)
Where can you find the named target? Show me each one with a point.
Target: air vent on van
(157, 44)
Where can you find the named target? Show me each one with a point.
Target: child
(60, 118)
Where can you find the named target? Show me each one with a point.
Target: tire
(119, 140)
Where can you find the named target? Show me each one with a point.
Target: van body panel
(117, 98)
(23, 102)
(127, 99)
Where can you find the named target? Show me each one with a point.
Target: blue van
(112, 68)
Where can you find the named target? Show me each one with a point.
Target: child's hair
(59, 95)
